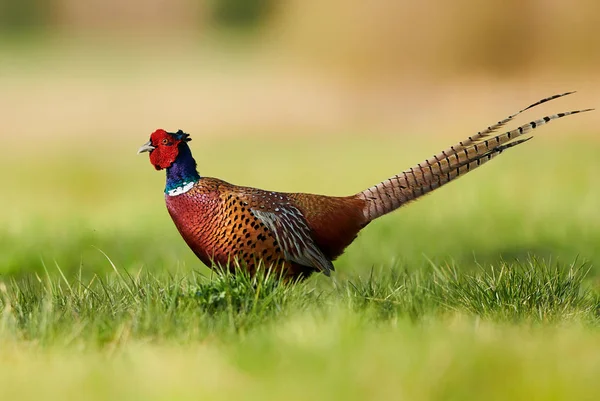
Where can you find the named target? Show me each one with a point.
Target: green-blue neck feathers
(182, 172)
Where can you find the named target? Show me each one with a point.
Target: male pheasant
(296, 233)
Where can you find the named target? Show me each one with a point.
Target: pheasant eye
(165, 141)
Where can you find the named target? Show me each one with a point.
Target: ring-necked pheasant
(299, 233)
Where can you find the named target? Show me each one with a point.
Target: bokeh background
(289, 95)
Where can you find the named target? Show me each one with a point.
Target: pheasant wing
(294, 235)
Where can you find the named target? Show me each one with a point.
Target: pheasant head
(169, 150)
(164, 147)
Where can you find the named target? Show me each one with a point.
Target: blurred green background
(290, 95)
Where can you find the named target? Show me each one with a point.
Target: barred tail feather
(445, 167)
(486, 132)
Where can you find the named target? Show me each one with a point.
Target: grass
(94, 313)
(488, 288)
(520, 331)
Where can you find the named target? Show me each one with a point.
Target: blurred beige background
(246, 67)
(289, 95)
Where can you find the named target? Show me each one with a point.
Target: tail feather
(486, 132)
(448, 165)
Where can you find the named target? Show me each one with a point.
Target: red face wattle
(163, 148)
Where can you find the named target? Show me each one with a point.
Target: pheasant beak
(147, 147)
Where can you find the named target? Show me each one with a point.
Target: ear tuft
(182, 136)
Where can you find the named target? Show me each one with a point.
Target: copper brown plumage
(297, 233)
(221, 222)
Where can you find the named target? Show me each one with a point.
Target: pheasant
(297, 234)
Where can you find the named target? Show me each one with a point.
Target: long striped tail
(451, 163)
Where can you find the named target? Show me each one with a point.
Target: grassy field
(487, 289)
